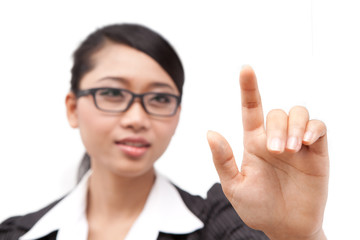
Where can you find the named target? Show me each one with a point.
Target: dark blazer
(221, 222)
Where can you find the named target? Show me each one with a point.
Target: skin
(282, 185)
(281, 188)
(120, 184)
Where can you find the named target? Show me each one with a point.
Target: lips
(133, 147)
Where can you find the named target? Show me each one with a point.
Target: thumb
(223, 158)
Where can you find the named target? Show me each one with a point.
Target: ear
(71, 109)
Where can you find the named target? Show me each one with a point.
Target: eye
(161, 98)
(111, 92)
(112, 95)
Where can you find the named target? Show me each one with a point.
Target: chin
(133, 170)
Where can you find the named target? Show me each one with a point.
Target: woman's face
(126, 143)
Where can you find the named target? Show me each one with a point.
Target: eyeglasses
(119, 100)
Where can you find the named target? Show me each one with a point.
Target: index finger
(252, 113)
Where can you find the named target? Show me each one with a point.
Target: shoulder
(15, 227)
(219, 217)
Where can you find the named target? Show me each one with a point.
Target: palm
(283, 191)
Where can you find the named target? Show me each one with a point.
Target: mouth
(133, 147)
(133, 144)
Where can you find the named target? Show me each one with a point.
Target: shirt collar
(164, 211)
(64, 216)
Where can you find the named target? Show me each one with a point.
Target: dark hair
(133, 35)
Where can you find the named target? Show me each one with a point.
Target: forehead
(135, 68)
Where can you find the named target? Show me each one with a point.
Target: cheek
(164, 132)
(94, 128)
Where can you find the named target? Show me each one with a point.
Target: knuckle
(251, 104)
(276, 119)
(317, 126)
(320, 125)
(297, 130)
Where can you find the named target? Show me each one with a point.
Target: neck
(112, 196)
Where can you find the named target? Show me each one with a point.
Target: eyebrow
(118, 79)
(125, 81)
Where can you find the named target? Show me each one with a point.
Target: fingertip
(308, 138)
(214, 138)
(275, 145)
(211, 137)
(248, 82)
(293, 144)
(223, 157)
(245, 66)
(218, 144)
(246, 70)
(210, 134)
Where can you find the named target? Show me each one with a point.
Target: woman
(125, 97)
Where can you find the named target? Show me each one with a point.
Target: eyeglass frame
(92, 91)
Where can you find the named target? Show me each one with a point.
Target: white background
(304, 52)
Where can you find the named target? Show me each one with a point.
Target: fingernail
(308, 136)
(292, 143)
(276, 145)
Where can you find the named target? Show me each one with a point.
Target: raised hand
(282, 186)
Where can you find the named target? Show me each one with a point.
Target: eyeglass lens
(118, 100)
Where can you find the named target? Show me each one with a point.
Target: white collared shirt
(164, 211)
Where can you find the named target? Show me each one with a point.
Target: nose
(135, 118)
